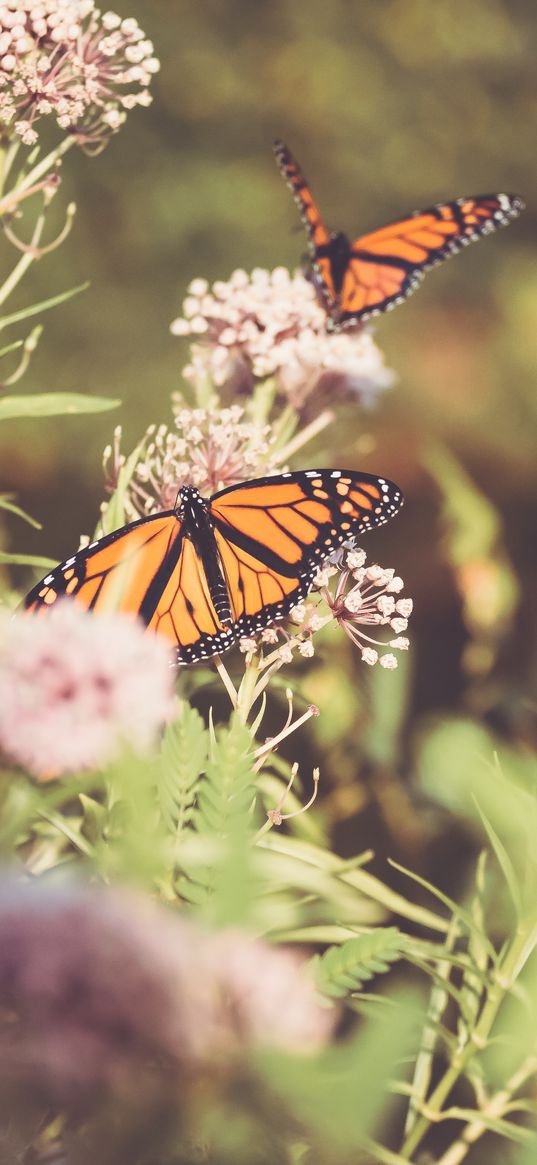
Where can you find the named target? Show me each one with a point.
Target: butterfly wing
(318, 236)
(147, 569)
(387, 265)
(274, 533)
(271, 536)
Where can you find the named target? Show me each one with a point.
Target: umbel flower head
(270, 323)
(68, 59)
(75, 687)
(359, 598)
(98, 987)
(210, 448)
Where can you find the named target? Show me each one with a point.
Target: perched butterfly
(211, 571)
(373, 273)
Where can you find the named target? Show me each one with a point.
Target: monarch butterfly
(375, 272)
(213, 570)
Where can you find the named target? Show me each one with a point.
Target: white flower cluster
(270, 323)
(66, 58)
(210, 448)
(366, 596)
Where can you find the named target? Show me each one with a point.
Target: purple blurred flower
(97, 983)
(75, 687)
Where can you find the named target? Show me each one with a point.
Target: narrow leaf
(7, 504)
(54, 404)
(27, 560)
(10, 348)
(44, 305)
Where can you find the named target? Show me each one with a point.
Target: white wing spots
(336, 473)
(48, 579)
(92, 545)
(312, 473)
(69, 561)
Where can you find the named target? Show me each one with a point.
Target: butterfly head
(191, 507)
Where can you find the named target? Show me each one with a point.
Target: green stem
(24, 262)
(7, 156)
(45, 164)
(246, 693)
(505, 976)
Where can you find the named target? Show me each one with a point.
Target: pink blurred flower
(269, 995)
(75, 687)
(67, 58)
(272, 324)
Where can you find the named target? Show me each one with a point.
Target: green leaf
(183, 760)
(10, 348)
(503, 860)
(27, 560)
(6, 503)
(341, 1094)
(94, 818)
(44, 305)
(54, 404)
(228, 789)
(345, 968)
(225, 796)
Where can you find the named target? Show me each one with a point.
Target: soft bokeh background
(389, 105)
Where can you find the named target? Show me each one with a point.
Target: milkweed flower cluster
(366, 597)
(76, 687)
(271, 324)
(362, 597)
(210, 448)
(100, 983)
(68, 59)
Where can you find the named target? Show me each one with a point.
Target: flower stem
(24, 262)
(47, 163)
(506, 974)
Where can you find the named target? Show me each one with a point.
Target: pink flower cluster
(210, 448)
(66, 58)
(99, 983)
(76, 687)
(270, 323)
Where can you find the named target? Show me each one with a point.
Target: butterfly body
(214, 570)
(361, 278)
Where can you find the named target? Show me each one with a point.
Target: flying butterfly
(360, 278)
(211, 571)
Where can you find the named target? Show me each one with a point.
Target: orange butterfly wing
(379, 270)
(387, 265)
(248, 557)
(147, 570)
(273, 534)
(318, 236)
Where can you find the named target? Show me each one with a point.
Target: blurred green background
(389, 105)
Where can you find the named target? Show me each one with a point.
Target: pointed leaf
(27, 560)
(44, 305)
(54, 404)
(7, 504)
